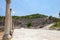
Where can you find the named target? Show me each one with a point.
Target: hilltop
(32, 16)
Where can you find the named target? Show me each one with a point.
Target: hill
(35, 20)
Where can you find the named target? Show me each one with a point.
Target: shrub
(29, 25)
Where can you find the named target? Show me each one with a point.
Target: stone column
(6, 35)
(11, 27)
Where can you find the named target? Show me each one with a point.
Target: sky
(27, 7)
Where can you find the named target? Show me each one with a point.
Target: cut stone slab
(35, 34)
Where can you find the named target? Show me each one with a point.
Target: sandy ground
(1, 35)
(35, 34)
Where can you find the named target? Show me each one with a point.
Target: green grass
(56, 26)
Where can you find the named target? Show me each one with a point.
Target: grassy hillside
(56, 26)
(30, 16)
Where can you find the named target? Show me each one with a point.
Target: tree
(50, 17)
(59, 14)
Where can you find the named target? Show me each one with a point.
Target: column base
(11, 32)
(6, 37)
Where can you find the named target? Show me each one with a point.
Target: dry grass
(1, 35)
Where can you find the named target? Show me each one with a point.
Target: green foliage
(56, 26)
(50, 17)
(54, 19)
(15, 17)
(1, 18)
(29, 25)
(30, 16)
(59, 14)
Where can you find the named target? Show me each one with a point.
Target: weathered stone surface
(6, 37)
(8, 22)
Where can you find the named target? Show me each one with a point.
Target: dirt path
(47, 27)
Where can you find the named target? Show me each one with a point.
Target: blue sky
(27, 7)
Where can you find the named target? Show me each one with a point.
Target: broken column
(6, 35)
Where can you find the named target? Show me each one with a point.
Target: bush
(29, 25)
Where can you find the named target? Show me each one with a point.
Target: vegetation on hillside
(56, 20)
(30, 16)
(56, 26)
(57, 23)
(1, 18)
(29, 25)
